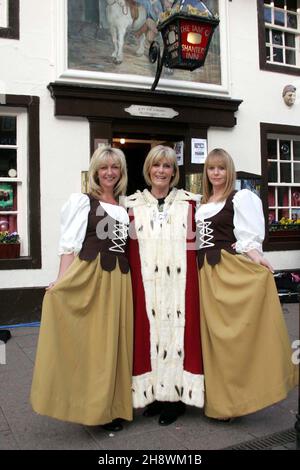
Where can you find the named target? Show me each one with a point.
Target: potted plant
(9, 245)
(284, 224)
(286, 228)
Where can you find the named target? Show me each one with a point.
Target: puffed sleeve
(248, 221)
(73, 223)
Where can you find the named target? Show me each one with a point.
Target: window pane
(295, 214)
(283, 197)
(272, 172)
(272, 149)
(267, 15)
(8, 135)
(277, 38)
(291, 21)
(296, 172)
(285, 173)
(267, 34)
(279, 17)
(277, 55)
(285, 150)
(268, 53)
(290, 57)
(8, 223)
(8, 161)
(272, 216)
(296, 197)
(291, 5)
(279, 3)
(283, 213)
(289, 40)
(296, 150)
(8, 196)
(271, 197)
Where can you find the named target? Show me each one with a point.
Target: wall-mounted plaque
(151, 111)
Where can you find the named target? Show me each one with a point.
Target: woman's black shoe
(113, 426)
(170, 412)
(153, 409)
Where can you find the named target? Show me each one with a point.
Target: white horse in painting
(120, 19)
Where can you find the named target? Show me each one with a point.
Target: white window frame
(3, 13)
(63, 73)
(22, 174)
(278, 184)
(284, 29)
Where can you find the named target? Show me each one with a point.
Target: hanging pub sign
(187, 29)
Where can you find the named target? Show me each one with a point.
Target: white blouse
(74, 219)
(248, 219)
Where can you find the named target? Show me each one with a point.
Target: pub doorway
(136, 150)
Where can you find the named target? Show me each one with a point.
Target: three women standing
(84, 357)
(246, 350)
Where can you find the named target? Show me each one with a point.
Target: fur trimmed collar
(145, 197)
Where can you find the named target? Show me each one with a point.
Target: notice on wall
(179, 152)
(3, 13)
(198, 150)
(151, 111)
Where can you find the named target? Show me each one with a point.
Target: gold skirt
(246, 349)
(83, 363)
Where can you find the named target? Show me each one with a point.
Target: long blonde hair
(224, 159)
(100, 156)
(156, 154)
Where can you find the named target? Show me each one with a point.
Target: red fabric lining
(192, 341)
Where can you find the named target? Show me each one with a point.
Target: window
(281, 175)
(13, 175)
(20, 178)
(279, 35)
(9, 19)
